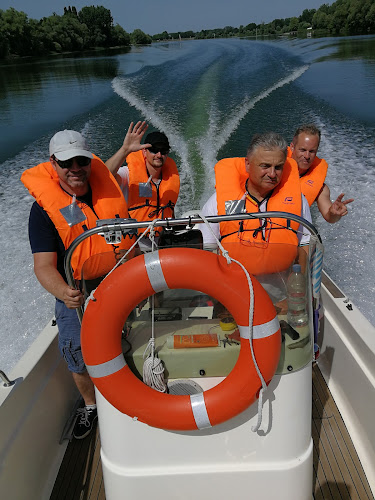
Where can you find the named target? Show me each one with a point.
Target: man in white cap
(72, 190)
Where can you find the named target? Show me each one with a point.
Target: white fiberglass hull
(228, 459)
(347, 362)
(33, 413)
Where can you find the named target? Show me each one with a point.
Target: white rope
(90, 297)
(153, 367)
(225, 253)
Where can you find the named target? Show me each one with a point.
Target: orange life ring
(175, 268)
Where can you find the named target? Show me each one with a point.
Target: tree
(228, 30)
(370, 18)
(4, 42)
(187, 34)
(138, 37)
(64, 33)
(339, 18)
(120, 36)
(293, 25)
(279, 24)
(320, 20)
(307, 16)
(251, 27)
(16, 30)
(99, 23)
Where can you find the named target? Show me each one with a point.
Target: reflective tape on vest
(260, 331)
(155, 272)
(107, 368)
(198, 406)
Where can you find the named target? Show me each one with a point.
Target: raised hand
(132, 141)
(131, 144)
(338, 207)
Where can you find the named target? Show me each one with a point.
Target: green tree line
(93, 27)
(343, 17)
(89, 28)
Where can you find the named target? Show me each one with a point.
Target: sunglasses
(154, 150)
(82, 161)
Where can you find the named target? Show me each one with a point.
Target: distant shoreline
(76, 53)
(120, 49)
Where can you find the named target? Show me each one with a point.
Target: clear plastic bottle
(297, 300)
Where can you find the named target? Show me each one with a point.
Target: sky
(156, 16)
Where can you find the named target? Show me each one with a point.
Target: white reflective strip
(155, 272)
(261, 331)
(198, 406)
(107, 368)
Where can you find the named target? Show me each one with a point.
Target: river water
(209, 97)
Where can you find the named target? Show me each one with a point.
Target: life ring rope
(249, 330)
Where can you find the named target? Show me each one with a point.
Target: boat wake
(205, 135)
(232, 122)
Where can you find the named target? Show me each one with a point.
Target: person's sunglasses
(154, 150)
(82, 161)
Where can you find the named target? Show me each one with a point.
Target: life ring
(176, 268)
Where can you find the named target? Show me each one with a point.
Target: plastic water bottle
(296, 289)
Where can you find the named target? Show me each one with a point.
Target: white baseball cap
(68, 144)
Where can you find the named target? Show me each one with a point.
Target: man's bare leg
(85, 387)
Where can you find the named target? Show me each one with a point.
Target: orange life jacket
(43, 184)
(313, 180)
(262, 249)
(164, 196)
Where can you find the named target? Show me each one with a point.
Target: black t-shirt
(43, 235)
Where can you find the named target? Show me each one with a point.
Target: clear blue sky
(155, 16)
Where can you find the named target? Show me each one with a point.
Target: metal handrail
(5, 379)
(130, 224)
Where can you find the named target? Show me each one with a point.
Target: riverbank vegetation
(90, 28)
(343, 17)
(93, 28)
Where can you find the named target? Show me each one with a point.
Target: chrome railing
(5, 379)
(123, 226)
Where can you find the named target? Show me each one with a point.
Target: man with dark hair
(150, 181)
(265, 180)
(312, 171)
(72, 190)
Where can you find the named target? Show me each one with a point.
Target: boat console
(276, 458)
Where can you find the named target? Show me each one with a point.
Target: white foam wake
(209, 154)
(241, 111)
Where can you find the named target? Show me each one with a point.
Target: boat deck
(80, 476)
(338, 473)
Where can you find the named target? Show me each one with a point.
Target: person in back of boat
(312, 171)
(72, 190)
(149, 181)
(265, 180)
